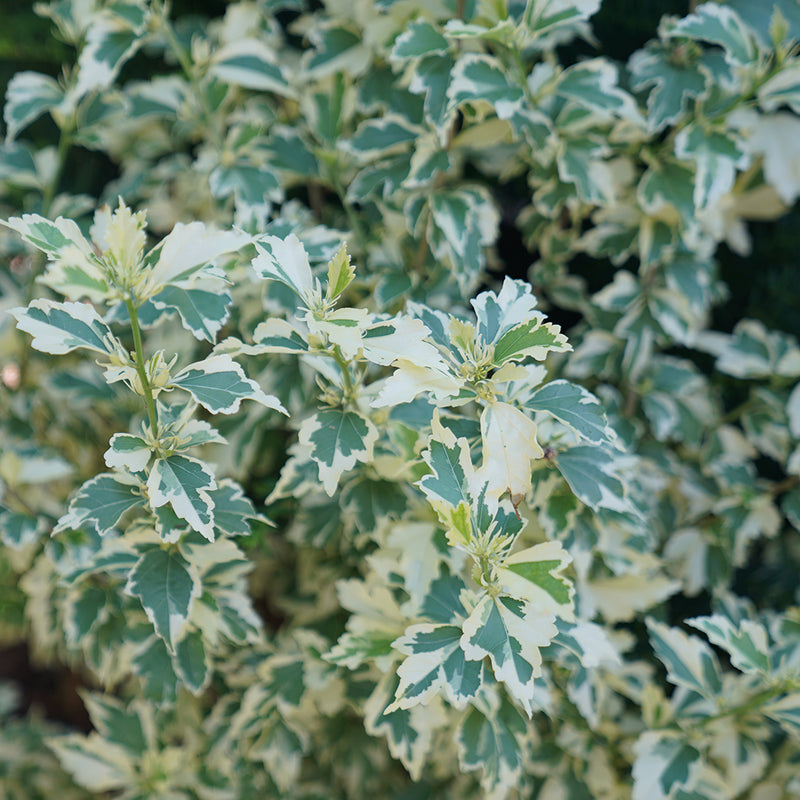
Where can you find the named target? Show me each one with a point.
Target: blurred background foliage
(763, 285)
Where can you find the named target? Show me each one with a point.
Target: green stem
(137, 343)
(345, 368)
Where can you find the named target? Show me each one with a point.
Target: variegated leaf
(746, 642)
(690, 662)
(576, 407)
(99, 504)
(509, 447)
(286, 260)
(219, 384)
(127, 452)
(535, 576)
(510, 633)
(167, 585)
(337, 439)
(59, 328)
(493, 741)
(183, 482)
(435, 662)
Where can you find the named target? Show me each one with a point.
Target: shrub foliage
(318, 501)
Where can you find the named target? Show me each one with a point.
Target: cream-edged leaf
(219, 384)
(509, 447)
(338, 439)
(99, 504)
(127, 452)
(286, 260)
(59, 328)
(435, 662)
(401, 338)
(187, 249)
(511, 634)
(535, 575)
(183, 482)
(167, 584)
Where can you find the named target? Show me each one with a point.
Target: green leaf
(183, 482)
(435, 662)
(337, 440)
(493, 741)
(783, 88)
(580, 161)
(127, 452)
(665, 762)
(576, 407)
(535, 576)
(675, 82)
(720, 25)
(449, 461)
(59, 328)
(497, 314)
(786, 712)
(717, 156)
(480, 78)
(409, 732)
(746, 642)
(110, 41)
(337, 50)
(419, 39)
(276, 336)
(431, 78)
(340, 273)
(593, 84)
(99, 505)
(690, 662)
(252, 64)
(232, 510)
(154, 666)
(443, 602)
(510, 633)
(19, 530)
(28, 96)
(376, 138)
(120, 725)
(192, 663)
(203, 313)
(219, 384)
(167, 585)
(286, 261)
(252, 186)
(591, 473)
(531, 339)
